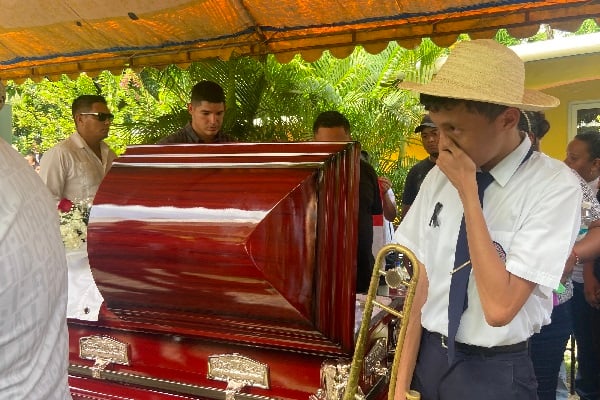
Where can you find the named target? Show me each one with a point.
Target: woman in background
(583, 156)
(548, 346)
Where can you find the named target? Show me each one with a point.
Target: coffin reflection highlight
(234, 249)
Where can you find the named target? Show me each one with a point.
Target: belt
(479, 350)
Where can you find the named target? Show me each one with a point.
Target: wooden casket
(227, 271)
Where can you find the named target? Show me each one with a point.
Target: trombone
(394, 278)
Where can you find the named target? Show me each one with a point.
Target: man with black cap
(490, 246)
(430, 139)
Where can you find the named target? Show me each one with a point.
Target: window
(583, 115)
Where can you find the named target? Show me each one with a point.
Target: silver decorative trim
(238, 368)
(376, 357)
(157, 384)
(334, 379)
(103, 350)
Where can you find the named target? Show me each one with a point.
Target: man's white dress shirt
(72, 170)
(532, 211)
(33, 286)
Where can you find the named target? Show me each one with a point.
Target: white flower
(73, 223)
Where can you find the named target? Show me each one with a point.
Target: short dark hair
(84, 103)
(207, 91)
(331, 119)
(534, 122)
(592, 139)
(436, 103)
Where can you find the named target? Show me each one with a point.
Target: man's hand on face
(455, 163)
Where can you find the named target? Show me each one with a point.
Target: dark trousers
(548, 350)
(587, 382)
(472, 377)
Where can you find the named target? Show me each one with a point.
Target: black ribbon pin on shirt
(434, 217)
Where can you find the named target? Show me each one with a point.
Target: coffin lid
(250, 243)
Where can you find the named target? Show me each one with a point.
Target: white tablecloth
(84, 297)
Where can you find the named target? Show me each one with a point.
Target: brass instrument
(394, 279)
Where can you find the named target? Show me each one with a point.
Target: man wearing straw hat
(491, 227)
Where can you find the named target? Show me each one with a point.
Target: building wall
(572, 79)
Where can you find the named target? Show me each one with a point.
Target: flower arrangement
(74, 218)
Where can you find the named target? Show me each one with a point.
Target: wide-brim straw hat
(487, 71)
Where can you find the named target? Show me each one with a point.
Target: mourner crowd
(506, 237)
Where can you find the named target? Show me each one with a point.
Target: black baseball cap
(426, 122)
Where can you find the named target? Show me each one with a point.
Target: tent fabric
(49, 38)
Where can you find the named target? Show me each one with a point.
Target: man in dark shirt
(207, 108)
(429, 138)
(332, 126)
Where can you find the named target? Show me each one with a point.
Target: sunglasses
(101, 116)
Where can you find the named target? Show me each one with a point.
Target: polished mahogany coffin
(227, 271)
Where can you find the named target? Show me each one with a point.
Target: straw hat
(484, 70)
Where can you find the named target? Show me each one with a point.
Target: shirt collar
(191, 134)
(509, 165)
(82, 144)
(594, 184)
(76, 137)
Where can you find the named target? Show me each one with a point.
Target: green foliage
(502, 36)
(363, 87)
(42, 111)
(41, 116)
(546, 32)
(266, 101)
(588, 26)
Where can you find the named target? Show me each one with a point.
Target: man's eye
(449, 129)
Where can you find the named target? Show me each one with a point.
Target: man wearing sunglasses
(207, 109)
(74, 168)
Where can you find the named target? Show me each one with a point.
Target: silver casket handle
(103, 350)
(238, 371)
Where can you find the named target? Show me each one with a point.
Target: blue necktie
(457, 301)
